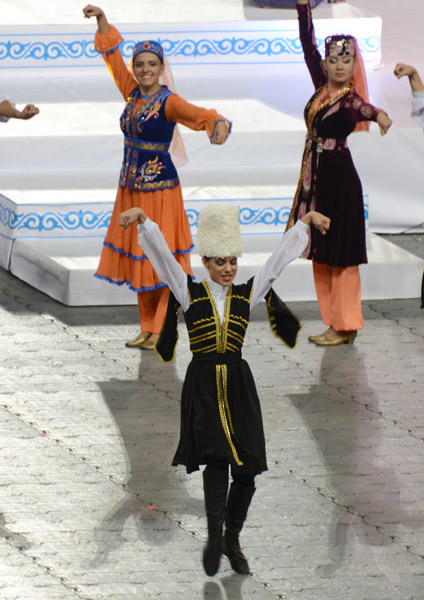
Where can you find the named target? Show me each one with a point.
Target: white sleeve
(163, 261)
(291, 246)
(418, 107)
(3, 97)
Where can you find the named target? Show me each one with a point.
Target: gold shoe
(314, 338)
(149, 345)
(139, 340)
(347, 337)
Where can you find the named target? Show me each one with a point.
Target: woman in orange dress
(148, 177)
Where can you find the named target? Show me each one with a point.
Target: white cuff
(148, 225)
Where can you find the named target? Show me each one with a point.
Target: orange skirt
(122, 260)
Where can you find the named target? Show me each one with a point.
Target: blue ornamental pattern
(271, 216)
(256, 45)
(74, 220)
(240, 46)
(90, 221)
(47, 51)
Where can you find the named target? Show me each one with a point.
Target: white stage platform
(63, 269)
(59, 171)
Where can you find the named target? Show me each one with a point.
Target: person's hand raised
(92, 11)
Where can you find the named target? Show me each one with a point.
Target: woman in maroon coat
(329, 182)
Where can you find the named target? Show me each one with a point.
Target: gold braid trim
(206, 336)
(233, 347)
(239, 321)
(199, 300)
(215, 316)
(207, 323)
(225, 324)
(242, 298)
(205, 350)
(312, 113)
(236, 336)
(224, 409)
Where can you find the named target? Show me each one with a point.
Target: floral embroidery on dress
(153, 111)
(357, 103)
(150, 170)
(332, 110)
(307, 176)
(366, 111)
(132, 122)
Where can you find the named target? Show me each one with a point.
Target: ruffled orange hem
(122, 260)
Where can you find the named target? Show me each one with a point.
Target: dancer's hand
(402, 70)
(222, 131)
(384, 122)
(92, 11)
(28, 112)
(102, 23)
(321, 222)
(130, 216)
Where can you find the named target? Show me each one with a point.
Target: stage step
(60, 170)
(64, 268)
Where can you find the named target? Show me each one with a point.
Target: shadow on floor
(345, 422)
(147, 417)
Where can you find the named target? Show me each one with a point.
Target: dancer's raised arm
(402, 70)
(311, 53)
(95, 11)
(417, 89)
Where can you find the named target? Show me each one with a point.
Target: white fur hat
(218, 233)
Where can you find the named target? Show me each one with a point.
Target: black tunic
(220, 411)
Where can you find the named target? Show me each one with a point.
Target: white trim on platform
(64, 269)
(224, 43)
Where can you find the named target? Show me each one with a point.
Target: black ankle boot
(215, 487)
(239, 499)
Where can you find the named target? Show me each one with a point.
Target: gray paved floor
(90, 507)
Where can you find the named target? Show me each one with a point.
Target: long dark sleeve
(357, 110)
(307, 37)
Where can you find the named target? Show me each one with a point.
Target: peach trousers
(339, 296)
(152, 306)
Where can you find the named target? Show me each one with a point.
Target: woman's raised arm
(312, 56)
(94, 11)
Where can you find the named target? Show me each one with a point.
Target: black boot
(238, 503)
(215, 487)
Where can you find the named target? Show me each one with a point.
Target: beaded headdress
(347, 45)
(218, 233)
(340, 45)
(148, 46)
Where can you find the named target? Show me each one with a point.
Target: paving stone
(91, 508)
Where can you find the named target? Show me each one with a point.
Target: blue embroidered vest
(147, 164)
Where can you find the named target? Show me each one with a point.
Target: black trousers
(242, 479)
